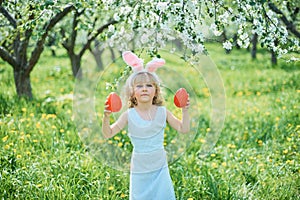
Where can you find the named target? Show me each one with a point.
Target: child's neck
(144, 106)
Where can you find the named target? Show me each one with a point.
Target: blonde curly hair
(143, 76)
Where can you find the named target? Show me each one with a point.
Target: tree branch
(92, 38)
(289, 25)
(8, 16)
(39, 47)
(6, 56)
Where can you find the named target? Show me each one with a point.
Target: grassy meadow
(256, 157)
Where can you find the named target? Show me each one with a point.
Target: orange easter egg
(181, 98)
(114, 102)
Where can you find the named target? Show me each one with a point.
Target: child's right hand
(107, 112)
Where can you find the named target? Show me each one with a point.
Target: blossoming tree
(155, 22)
(23, 25)
(150, 24)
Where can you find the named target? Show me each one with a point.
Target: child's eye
(149, 85)
(138, 86)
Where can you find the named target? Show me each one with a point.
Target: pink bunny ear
(133, 61)
(154, 64)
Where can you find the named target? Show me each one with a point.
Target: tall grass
(256, 157)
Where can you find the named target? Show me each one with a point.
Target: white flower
(162, 6)
(116, 17)
(227, 45)
(213, 28)
(111, 28)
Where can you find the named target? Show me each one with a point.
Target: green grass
(256, 157)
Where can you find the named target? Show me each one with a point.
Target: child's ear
(133, 61)
(154, 64)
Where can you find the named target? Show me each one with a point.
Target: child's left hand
(186, 107)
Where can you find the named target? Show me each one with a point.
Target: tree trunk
(113, 56)
(76, 69)
(97, 52)
(254, 46)
(22, 83)
(273, 58)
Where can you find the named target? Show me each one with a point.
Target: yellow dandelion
(208, 129)
(111, 188)
(283, 107)
(110, 142)
(173, 141)
(117, 138)
(54, 127)
(6, 147)
(38, 125)
(120, 144)
(260, 142)
(4, 139)
(24, 109)
(190, 198)
(31, 115)
(124, 132)
(123, 195)
(35, 141)
(290, 162)
(28, 153)
(202, 140)
(214, 165)
(258, 93)
(285, 151)
(231, 146)
(277, 118)
(213, 155)
(288, 139)
(39, 185)
(19, 156)
(62, 130)
(239, 94)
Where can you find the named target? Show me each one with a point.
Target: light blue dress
(149, 173)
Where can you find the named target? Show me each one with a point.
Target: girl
(146, 119)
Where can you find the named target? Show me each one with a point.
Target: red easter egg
(114, 102)
(181, 98)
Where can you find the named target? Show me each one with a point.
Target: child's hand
(107, 112)
(186, 107)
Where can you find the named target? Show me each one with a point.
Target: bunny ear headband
(137, 64)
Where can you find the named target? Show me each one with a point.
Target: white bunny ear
(133, 61)
(154, 64)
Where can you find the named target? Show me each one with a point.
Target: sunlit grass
(256, 157)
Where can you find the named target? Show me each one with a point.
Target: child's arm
(108, 130)
(182, 126)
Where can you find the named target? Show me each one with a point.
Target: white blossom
(111, 28)
(116, 17)
(162, 6)
(227, 45)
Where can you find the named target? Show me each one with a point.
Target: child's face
(144, 89)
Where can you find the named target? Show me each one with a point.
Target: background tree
(87, 23)
(24, 29)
